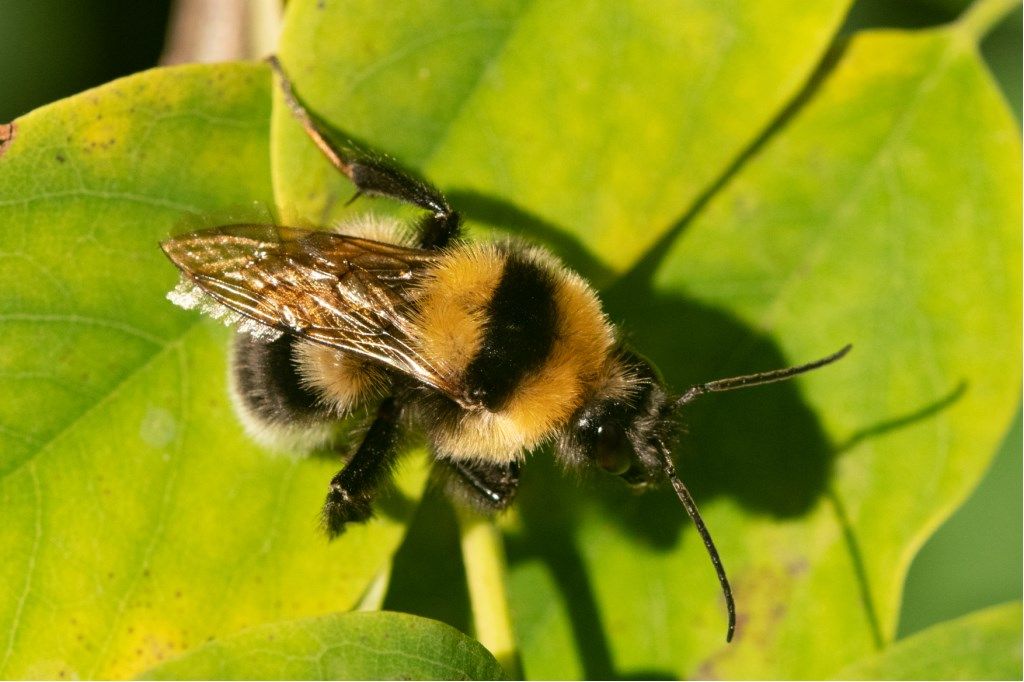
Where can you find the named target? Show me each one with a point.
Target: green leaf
(858, 217)
(604, 120)
(352, 646)
(886, 213)
(138, 520)
(974, 559)
(984, 645)
(880, 204)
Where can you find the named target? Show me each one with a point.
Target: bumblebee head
(625, 430)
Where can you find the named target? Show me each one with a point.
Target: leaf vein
(31, 569)
(102, 194)
(155, 535)
(86, 320)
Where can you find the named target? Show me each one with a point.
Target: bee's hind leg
(376, 174)
(488, 487)
(353, 488)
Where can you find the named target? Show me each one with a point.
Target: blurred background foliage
(50, 49)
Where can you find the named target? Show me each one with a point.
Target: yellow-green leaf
(138, 521)
(882, 208)
(352, 646)
(885, 213)
(981, 646)
(606, 119)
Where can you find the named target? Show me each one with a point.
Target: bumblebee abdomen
(276, 408)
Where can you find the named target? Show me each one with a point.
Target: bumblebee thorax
(524, 338)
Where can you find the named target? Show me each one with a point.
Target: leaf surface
(138, 519)
(350, 646)
(882, 208)
(984, 645)
(885, 213)
(603, 121)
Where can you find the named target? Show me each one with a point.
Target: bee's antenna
(702, 530)
(758, 379)
(689, 396)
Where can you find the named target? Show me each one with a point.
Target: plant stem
(377, 590)
(221, 30)
(484, 557)
(983, 15)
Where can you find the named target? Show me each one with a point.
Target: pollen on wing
(189, 296)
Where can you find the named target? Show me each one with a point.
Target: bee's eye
(610, 452)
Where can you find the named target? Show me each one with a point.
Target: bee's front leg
(353, 488)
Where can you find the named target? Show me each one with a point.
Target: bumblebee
(493, 348)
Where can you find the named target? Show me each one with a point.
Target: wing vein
(353, 294)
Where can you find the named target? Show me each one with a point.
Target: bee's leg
(375, 174)
(489, 487)
(353, 488)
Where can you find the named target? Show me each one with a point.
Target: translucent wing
(350, 293)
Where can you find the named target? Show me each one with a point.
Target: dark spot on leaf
(177, 594)
(60, 158)
(706, 671)
(797, 568)
(7, 132)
